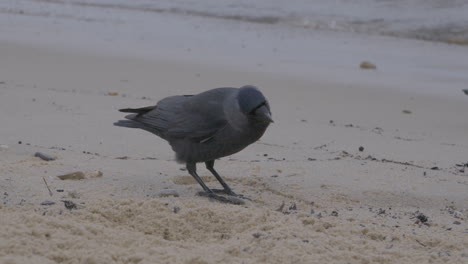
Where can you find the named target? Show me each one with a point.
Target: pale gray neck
(234, 114)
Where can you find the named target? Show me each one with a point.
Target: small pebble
(44, 156)
(458, 214)
(97, 174)
(367, 65)
(257, 235)
(47, 203)
(457, 223)
(465, 91)
(361, 148)
(293, 207)
(59, 190)
(78, 175)
(334, 213)
(168, 192)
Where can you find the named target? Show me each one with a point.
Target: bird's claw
(223, 199)
(231, 193)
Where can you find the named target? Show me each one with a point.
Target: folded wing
(196, 118)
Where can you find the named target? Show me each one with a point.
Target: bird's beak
(265, 114)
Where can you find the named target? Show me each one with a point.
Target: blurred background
(263, 35)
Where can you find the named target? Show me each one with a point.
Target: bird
(205, 127)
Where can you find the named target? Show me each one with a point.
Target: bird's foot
(231, 193)
(223, 199)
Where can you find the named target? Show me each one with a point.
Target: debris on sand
(406, 112)
(258, 234)
(422, 218)
(167, 193)
(47, 185)
(96, 174)
(78, 175)
(70, 205)
(465, 91)
(293, 207)
(48, 203)
(458, 214)
(112, 93)
(367, 65)
(44, 156)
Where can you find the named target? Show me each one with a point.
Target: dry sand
(316, 198)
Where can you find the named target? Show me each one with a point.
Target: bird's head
(253, 104)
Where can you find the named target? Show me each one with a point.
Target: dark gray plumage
(206, 126)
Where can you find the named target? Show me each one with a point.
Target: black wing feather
(197, 117)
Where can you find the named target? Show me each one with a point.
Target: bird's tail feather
(127, 123)
(141, 110)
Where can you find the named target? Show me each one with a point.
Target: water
(433, 20)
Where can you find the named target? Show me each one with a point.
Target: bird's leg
(227, 190)
(192, 169)
(210, 167)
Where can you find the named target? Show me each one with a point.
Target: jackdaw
(205, 127)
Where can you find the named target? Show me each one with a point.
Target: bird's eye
(255, 109)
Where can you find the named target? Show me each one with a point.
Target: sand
(316, 198)
(360, 166)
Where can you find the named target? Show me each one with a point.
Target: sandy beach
(360, 166)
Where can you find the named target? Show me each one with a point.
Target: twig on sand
(420, 243)
(50, 192)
